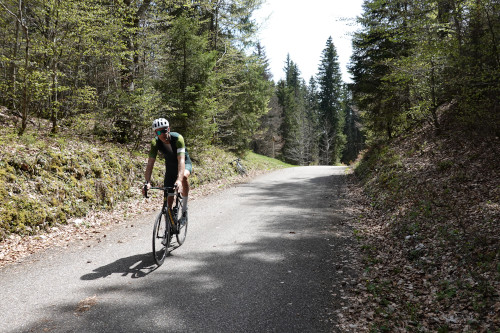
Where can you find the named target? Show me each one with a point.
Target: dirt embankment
(429, 233)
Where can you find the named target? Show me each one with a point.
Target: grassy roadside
(47, 181)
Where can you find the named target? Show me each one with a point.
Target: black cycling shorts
(171, 173)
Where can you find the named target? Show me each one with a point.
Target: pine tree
(250, 95)
(412, 59)
(291, 93)
(312, 122)
(352, 129)
(187, 82)
(384, 37)
(267, 139)
(331, 120)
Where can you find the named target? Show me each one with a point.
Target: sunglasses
(163, 131)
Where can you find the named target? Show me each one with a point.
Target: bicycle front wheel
(182, 227)
(161, 238)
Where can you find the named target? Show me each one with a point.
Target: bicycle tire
(182, 229)
(161, 238)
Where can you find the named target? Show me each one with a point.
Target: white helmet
(160, 123)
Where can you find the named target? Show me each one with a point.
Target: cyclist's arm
(153, 152)
(181, 162)
(149, 169)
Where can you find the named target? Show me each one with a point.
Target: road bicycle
(239, 167)
(168, 222)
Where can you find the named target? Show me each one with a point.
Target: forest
(414, 59)
(106, 68)
(103, 65)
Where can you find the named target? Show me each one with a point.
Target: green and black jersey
(170, 152)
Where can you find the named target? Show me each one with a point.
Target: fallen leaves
(429, 238)
(86, 304)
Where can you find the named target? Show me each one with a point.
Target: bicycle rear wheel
(161, 238)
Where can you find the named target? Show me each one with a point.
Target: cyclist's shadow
(137, 266)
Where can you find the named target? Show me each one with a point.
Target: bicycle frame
(169, 192)
(177, 205)
(172, 223)
(239, 167)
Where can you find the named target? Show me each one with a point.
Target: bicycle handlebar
(169, 190)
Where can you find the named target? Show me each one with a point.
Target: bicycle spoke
(182, 224)
(161, 239)
(166, 224)
(182, 228)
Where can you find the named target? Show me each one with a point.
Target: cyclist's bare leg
(185, 183)
(185, 190)
(170, 201)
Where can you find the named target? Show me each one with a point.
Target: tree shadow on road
(289, 278)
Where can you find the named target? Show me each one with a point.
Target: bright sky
(301, 28)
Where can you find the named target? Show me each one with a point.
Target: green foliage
(418, 61)
(331, 112)
(298, 127)
(187, 86)
(313, 127)
(116, 66)
(249, 91)
(354, 135)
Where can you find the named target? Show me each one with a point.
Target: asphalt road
(266, 256)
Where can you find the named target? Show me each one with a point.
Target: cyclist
(178, 165)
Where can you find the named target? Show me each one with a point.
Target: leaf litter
(428, 236)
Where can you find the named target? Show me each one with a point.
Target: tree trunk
(25, 99)
(494, 40)
(13, 69)
(434, 107)
(130, 63)
(25, 96)
(55, 106)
